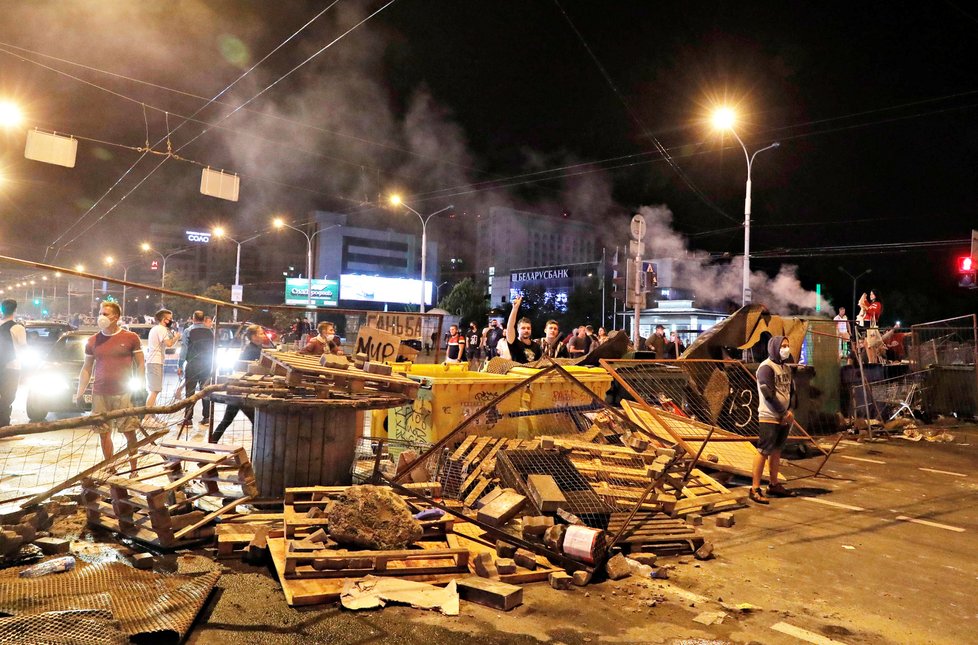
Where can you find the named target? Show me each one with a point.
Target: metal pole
(93, 297)
(746, 292)
(163, 280)
(237, 277)
(424, 257)
(604, 279)
(125, 278)
(638, 290)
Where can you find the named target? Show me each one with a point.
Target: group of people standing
(874, 346)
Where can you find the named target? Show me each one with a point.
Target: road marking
(804, 634)
(872, 461)
(942, 472)
(819, 500)
(936, 525)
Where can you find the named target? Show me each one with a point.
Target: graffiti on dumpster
(411, 421)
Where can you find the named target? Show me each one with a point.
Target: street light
(219, 232)
(395, 200)
(10, 114)
(438, 291)
(724, 119)
(109, 261)
(278, 222)
(147, 248)
(854, 279)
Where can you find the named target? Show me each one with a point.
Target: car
(171, 355)
(41, 337)
(53, 384)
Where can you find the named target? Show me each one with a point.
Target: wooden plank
(210, 516)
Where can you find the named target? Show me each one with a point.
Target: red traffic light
(966, 263)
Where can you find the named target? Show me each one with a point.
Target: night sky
(457, 102)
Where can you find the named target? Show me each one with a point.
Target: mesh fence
(904, 395)
(945, 351)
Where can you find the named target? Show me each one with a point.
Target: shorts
(102, 403)
(771, 437)
(154, 377)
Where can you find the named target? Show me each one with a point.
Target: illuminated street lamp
(395, 200)
(724, 119)
(10, 114)
(219, 232)
(278, 222)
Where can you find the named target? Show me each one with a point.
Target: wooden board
(471, 537)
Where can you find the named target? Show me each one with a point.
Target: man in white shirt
(161, 337)
(13, 340)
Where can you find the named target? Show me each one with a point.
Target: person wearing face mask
(114, 356)
(197, 360)
(324, 342)
(161, 337)
(775, 387)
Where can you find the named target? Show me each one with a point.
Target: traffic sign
(636, 247)
(638, 227)
(236, 293)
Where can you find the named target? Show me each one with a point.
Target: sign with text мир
(378, 345)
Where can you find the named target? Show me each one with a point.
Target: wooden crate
(151, 505)
(655, 532)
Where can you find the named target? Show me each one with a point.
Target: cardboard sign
(407, 326)
(377, 344)
(407, 353)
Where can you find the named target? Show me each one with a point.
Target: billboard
(323, 292)
(372, 288)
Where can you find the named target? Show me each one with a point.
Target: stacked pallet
(155, 504)
(326, 381)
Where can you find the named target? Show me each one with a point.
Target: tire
(36, 412)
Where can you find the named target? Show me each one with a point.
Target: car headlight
(30, 356)
(49, 383)
(226, 358)
(136, 384)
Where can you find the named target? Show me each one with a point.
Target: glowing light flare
(145, 246)
(218, 231)
(723, 118)
(10, 114)
(278, 222)
(395, 200)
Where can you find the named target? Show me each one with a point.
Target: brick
(554, 537)
(725, 520)
(536, 525)
(484, 566)
(53, 546)
(319, 536)
(377, 368)
(504, 549)
(569, 517)
(546, 443)
(645, 558)
(314, 513)
(502, 509)
(526, 559)
(545, 493)
(505, 565)
(560, 580)
(143, 560)
(489, 497)
(617, 567)
(581, 578)
(705, 552)
(694, 519)
(491, 593)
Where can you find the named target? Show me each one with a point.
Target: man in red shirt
(115, 357)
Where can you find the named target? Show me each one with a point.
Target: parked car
(41, 337)
(53, 384)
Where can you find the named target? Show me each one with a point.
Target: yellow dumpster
(449, 396)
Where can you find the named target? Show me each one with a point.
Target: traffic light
(966, 272)
(619, 279)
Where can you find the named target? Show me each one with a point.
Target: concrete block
(560, 580)
(705, 552)
(319, 536)
(502, 509)
(490, 593)
(505, 565)
(536, 525)
(694, 519)
(725, 520)
(617, 567)
(53, 546)
(645, 558)
(484, 566)
(581, 578)
(545, 493)
(526, 559)
(143, 560)
(504, 549)
(554, 537)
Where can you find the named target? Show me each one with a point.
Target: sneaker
(205, 421)
(778, 490)
(758, 497)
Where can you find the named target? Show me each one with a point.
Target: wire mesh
(949, 349)
(82, 627)
(899, 396)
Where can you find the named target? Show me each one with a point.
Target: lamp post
(147, 248)
(278, 222)
(723, 119)
(438, 291)
(855, 278)
(219, 232)
(395, 200)
(109, 261)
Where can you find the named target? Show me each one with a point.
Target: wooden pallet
(431, 559)
(305, 370)
(469, 471)
(655, 532)
(316, 591)
(155, 504)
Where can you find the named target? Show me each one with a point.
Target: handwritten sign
(377, 344)
(400, 325)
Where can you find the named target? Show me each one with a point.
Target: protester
(602, 336)
(674, 348)
(456, 345)
(842, 331)
(13, 341)
(250, 352)
(114, 356)
(473, 345)
(776, 388)
(522, 348)
(161, 337)
(657, 342)
(197, 363)
(580, 344)
(550, 343)
(324, 342)
(494, 334)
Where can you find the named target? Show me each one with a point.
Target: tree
(539, 305)
(467, 300)
(584, 305)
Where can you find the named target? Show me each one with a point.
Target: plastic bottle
(58, 565)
